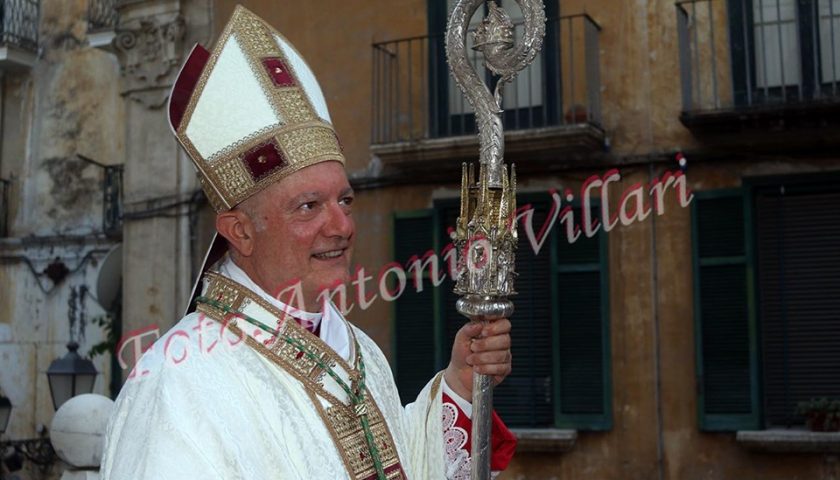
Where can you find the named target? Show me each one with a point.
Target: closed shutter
(525, 399)
(724, 331)
(798, 252)
(414, 311)
(582, 332)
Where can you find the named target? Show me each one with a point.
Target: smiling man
(252, 387)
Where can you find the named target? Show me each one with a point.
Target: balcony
(749, 67)
(552, 108)
(19, 34)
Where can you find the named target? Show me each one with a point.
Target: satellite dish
(109, 280)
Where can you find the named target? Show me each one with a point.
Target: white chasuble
(220, 397)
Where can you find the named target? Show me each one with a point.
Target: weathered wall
(73, 93)
(66, 105)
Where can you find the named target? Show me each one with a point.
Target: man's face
(305, 232)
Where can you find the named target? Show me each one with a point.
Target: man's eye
(308, 205)
(347, 201)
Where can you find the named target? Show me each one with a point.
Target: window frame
(755, 420)
(746, 91)
(726, 421)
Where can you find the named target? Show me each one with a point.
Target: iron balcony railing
(112, 188)
(415, 98)
(755, 53)
(19, 22)
(102, 15)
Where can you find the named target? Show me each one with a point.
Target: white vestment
(203, 404)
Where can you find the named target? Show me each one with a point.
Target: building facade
(670, 315)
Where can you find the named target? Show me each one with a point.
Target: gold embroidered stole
(331, 403)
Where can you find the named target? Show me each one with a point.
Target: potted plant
(821, 414)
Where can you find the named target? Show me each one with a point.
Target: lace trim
(458, 461)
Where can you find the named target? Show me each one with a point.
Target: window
(784, 49)
(767, 274)
(561, 354)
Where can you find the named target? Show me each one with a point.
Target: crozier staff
(288, 391)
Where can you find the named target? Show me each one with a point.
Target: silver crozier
(485, 234)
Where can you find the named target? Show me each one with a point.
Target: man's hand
(484, 348)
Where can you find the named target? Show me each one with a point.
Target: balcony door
(530, 101)
(784, 51)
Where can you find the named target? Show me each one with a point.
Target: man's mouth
(329, 255)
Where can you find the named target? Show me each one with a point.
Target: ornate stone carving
(150, 52)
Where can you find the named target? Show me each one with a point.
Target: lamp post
(70, 375)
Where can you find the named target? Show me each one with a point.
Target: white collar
(334, 329)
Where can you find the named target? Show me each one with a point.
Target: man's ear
(238, 230)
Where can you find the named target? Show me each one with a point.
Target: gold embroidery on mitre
(212, 197)
(295, 105)
(309, 143)
(234, 177)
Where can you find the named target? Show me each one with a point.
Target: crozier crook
(485, 234)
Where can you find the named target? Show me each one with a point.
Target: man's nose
(340, 222)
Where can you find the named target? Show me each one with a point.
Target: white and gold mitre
(250, 112)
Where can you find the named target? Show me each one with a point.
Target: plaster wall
(66, 105)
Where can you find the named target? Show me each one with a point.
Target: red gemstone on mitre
(279, 73)
(263, 159)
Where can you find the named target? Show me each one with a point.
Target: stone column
(151, 41)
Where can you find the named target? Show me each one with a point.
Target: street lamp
(70, 375)
(5, 413)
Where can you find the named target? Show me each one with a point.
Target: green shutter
(724, 312)
(414, 312)
(526, 399)
(582, 353)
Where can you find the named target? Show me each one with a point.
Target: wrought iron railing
(757, 53)
(112, 185)
(102, 15)
(19, 22)
(414, 97)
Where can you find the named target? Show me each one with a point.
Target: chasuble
(239, 390)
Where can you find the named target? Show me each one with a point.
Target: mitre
(250, 112)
